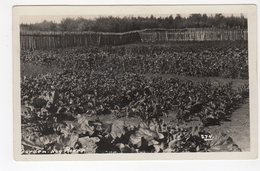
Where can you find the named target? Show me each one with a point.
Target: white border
(6, 123)
(248, 10)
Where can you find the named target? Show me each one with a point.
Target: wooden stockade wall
(193, 35)
(49, 40)
(118, 38)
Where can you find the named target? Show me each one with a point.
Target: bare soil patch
(238, 128)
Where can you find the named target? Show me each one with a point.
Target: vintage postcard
(135, 82)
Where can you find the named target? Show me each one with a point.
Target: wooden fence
(49, 40)
(193, 35)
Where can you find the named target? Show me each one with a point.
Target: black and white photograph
(123, 79)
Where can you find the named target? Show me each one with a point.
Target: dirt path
(238, 128)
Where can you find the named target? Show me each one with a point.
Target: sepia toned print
(160, 84)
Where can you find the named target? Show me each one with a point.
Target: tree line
(124, 24)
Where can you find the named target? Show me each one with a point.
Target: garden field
(172, 97)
